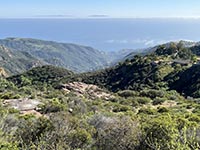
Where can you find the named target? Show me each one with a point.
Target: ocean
(104, 34)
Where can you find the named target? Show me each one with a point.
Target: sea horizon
(107, 34)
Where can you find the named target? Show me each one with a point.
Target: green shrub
(30, 129)
(152, 93)
(5, 85)
(9, 95)
(158, 101)
(148, 111)
(197, 110)
(131, 101)
(170, 133)
(52, 106)
(79, 139)
(114, 99)
(77, 105)
(127, 93)
(189, 107)
(26, 90)
(115, 133)
(8, 146)
(143, 100)
(120, 108)
(163, 110)
(194, 117)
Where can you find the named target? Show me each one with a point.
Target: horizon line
(106, 17)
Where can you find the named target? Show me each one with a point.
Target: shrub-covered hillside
(47, 118)
(188, 81)
(41, 75)
(160, 69)
(50, 108)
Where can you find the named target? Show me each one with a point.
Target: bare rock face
(3, 72)
(83, 89)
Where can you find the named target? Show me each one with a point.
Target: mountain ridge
(77, 58)
(71, 56)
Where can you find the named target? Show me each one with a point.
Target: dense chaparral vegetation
(151, 103)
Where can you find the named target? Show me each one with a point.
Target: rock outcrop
(25, 106)
(83, 89)
(3, 72)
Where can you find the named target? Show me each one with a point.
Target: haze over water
(104, 34)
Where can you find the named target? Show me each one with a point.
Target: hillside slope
(159, 69)
(71, 56)
(16, 62)
(188, 81)
(40, 76)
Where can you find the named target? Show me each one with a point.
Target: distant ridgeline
(18, 55)
(21, 54)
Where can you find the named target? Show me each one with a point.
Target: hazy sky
(99, 8)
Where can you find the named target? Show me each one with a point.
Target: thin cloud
(144, 42)
(135, 41)
(98, 16)
(54, 16)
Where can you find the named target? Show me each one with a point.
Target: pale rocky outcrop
(3, 72)
(25, 106)
(83, 89)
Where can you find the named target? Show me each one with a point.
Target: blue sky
(111, 8)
